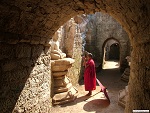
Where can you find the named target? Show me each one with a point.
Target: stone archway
(26, 28)
(122, 53)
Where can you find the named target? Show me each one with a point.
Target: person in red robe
(89, 74)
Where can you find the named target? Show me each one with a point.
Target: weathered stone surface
(23, 50)
(64, 61)
(63, 89)
(62, 64)
(61, 73)
(25, 79)
(61, 82)
(122, 97)
(43, 19)
(101, 30)
(125, 75)
(60, 68)
(72, 32)
(65, 97)
(62, 86)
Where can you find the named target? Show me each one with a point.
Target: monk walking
(89, 74)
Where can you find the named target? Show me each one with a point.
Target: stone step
(63, 89)
(65, 97)
(61, 82)
(61, 77)
(59, 74)
(58, 68)
(65, 101)
(64, 61)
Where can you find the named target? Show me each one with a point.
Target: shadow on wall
(25, 75)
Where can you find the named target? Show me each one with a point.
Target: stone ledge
(65, 97)
(61, 82)
(59, 74)
(64, 61)
(63, 89)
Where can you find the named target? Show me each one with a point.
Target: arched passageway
(26, 28)
(114, 52)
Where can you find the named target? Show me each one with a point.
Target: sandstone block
(122, 97)
(65, 97)
(8, 66)
(58, 74)
(23, 50)
(61, 82)
(63, 89)
(64, 61)
(60, 67)
(37, 50)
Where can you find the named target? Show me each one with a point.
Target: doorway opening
(111, 54)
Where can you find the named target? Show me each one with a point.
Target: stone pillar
(139, 82)
(63, 90)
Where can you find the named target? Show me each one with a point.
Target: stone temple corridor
(97, 103)
(37, 35)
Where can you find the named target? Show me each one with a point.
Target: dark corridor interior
(114, 52)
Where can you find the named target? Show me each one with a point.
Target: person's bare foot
(101, 90)
(89, 94)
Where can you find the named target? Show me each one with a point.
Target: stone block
(8, 66)
(61, 82)
(37, 50)
(61, 77)
(122, 97)
(23, 51)
(60, 68)
(58, 74)
(63, 89)
(10, 38)
(26, 62)
(65, 97)
(25, 38)
(64, 61)
(35, 40)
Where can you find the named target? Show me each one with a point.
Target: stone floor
(97, 103)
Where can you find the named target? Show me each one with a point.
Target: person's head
(89, 56)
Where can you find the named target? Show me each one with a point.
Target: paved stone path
(97, 103)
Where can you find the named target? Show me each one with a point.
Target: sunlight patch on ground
(111, 65)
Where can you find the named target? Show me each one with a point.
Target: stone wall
(101, 28)
(96, 30)
(25, 84)
(43, 18)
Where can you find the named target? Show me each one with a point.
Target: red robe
(90, 76)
